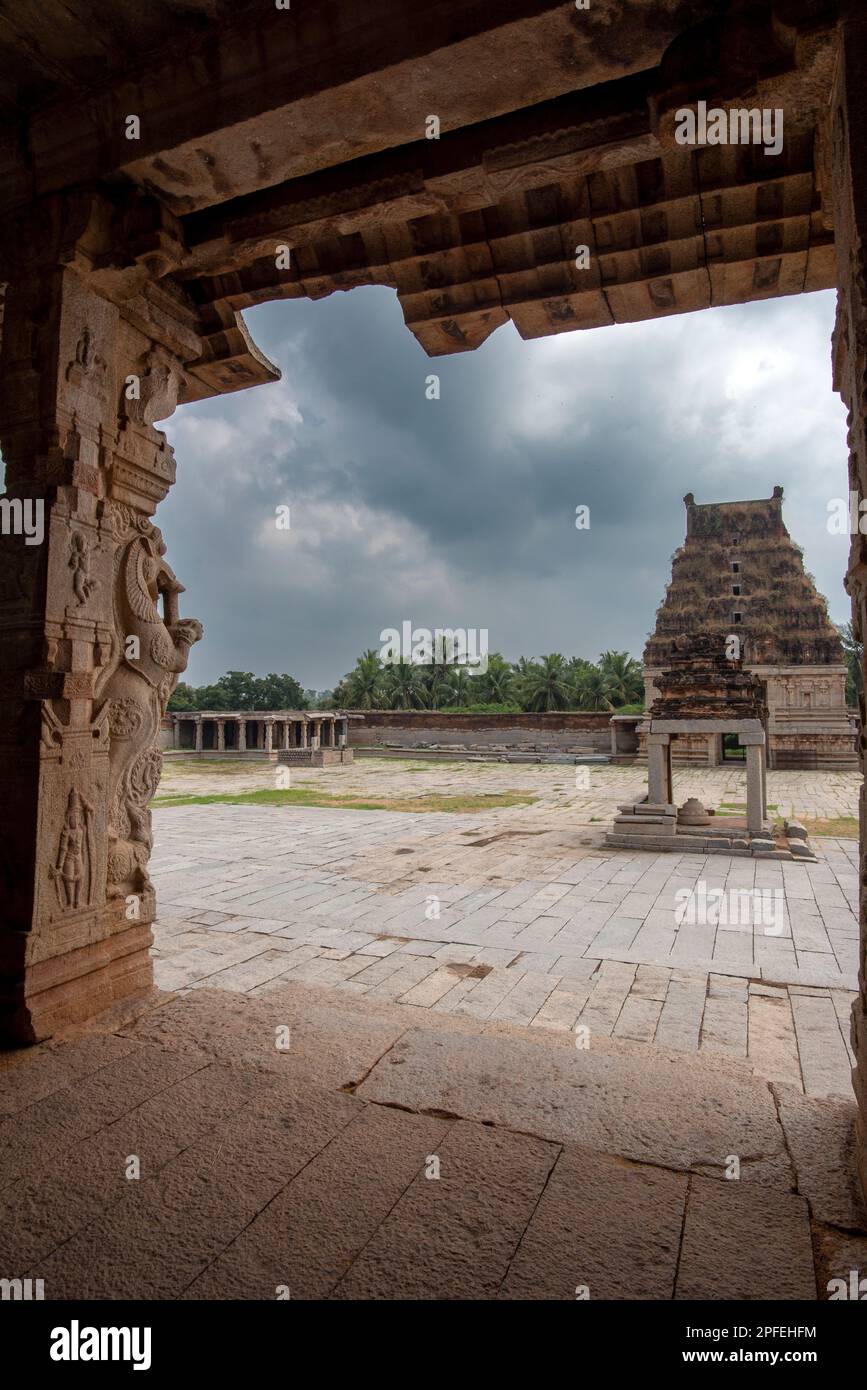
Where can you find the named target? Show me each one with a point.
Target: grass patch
(843, 827)
(309, 796)
(738, 808)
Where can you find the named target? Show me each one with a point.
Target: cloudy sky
(460, 512)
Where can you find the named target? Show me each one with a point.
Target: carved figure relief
(87, 365)
(136, 689)
(73, 870)
(79, 562)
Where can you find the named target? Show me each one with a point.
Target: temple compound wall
(313, 737)
(740, 576)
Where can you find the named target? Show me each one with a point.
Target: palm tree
(545, 684)
(461, 686)
(364, 685)
(594, 690)
(625, 677)
(403, 687)
(496, 685)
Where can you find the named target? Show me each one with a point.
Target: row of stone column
(335, 730)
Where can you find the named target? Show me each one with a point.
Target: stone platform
(642, 825)
(349, 1148)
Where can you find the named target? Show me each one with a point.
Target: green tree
(495, 686)
(624, 675)
(594, 690)
(545, 684)
(403, 686)
(364, 686)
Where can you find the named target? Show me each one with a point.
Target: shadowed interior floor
(342, 1147)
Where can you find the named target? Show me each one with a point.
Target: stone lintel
(704, 726)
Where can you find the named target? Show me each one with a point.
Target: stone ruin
(704, 693)
(740, 575)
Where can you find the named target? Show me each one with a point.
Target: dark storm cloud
(460, 511)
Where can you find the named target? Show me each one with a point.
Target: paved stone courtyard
(517, 914)
(343, 1097)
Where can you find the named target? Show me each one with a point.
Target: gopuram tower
(739, 574)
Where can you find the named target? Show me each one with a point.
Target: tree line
(552, 682)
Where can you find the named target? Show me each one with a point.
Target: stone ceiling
(306, 128)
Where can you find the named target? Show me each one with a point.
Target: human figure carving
(79, 562)
(72, 872)
(141, 675)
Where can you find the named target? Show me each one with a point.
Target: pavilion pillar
(199, 734)
(287, 734)
(755, 791)
(659, 788)
(242, 735)
(221, 735)
(269, 736)
(847, 135)
(176, 725)
(303, 733)
(88, 660)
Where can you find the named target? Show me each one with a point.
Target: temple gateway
(740, 575)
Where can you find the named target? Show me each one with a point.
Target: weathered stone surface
(610, 1226)
(722, 1255)
(454, 1236)
(331, 1039)
(308, 1236)
(820, 1136)
(645, 1111)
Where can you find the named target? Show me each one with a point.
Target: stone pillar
(88, 660)
(304, 733)
(287, 733)
(221, 735)
(847, 136)
(316, 735)
(200, 730)
(269, 736)
(176, 723)
(755, 795)
(659, 788)
(242, 735)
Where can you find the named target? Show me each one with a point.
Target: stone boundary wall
(420, 728)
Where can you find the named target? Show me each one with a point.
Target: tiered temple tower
(740, 574)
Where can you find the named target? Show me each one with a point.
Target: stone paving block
(455, 1236)
(332, 1039)
(772, 1046)
(821, 1140)
(631, 1105)
(720, 1256)
(609, 1226)
(638, 1019)
(825, 1064)
(54, 1200)
(308, 1236)
(164, 1233)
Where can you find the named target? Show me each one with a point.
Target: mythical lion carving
(150, 651)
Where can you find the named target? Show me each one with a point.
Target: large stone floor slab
(186, 1156)
(412, 1055)
(648, 1109)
